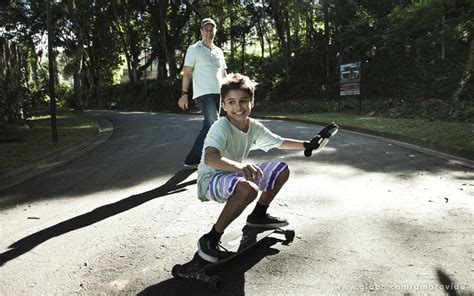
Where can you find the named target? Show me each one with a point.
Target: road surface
(370, 215)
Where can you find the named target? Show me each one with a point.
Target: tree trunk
(243, 54)
(162, 9)
(466, 75)
(443, 43)
(124, 38)
(288, 42)
(232, 41)
(78, 55)
(278, 15)
(10, 82)
(269, 41)
(309, 30)
(261, 38)
(326, 37)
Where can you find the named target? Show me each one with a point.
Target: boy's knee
(248, 191)
(284, 175)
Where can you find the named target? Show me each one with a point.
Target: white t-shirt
(233, 144)
(207, 67)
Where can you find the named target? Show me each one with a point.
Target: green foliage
(413, 52)
(149, 95)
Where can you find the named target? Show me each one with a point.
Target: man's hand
(183, 102)
(321, 139)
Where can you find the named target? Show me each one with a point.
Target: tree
(129, 23)
(76, 28)
(22, 81)
(279, 13)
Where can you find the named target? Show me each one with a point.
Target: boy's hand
(252, 172)
(321, 139)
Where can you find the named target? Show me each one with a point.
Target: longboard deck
(232, 244)
(238, 241)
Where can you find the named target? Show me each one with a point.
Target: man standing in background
(205, 65)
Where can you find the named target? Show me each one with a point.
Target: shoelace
(222, 247)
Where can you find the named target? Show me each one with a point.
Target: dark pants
(210, 108)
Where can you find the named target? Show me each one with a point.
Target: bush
(152, 95)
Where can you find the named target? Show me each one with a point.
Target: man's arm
(214, 159)
(183, 101)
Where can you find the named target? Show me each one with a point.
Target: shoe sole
(323, 143)
(274, 225)
(191, 166)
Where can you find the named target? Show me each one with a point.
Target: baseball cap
(208, 21)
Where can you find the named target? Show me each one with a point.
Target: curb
(17, 175)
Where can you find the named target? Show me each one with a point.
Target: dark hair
(237, 81)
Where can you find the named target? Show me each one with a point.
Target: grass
(21, 145)
(451, 137)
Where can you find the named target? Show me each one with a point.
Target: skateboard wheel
(215, 283)
(289, 235)
(174, 271)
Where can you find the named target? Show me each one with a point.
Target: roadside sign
(350, 79)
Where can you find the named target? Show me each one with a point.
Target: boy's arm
(214, 159)
(292, 144)
(316, 143)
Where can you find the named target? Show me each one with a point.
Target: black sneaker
(329, 130)
(191, 165)
(266, 221)
(207, 251)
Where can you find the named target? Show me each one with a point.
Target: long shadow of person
(172, 186)
(232, 273)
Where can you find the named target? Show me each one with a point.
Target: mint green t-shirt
(207, 67)
(233, 144)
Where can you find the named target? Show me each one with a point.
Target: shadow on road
(136, 151)
(451, 288)
(26, 244)
(232, 273)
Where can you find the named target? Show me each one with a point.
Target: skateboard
(231, 245)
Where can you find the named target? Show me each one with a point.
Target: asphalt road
(370, 215)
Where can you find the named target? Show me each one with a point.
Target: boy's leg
(244, 194)
(259, 216)
(267, 197)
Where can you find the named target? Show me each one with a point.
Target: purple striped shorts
(223, 185)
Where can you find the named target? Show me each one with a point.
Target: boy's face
(237, 104)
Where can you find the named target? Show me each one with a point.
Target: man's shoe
(266, 221)
(207, 251)
(191, 165)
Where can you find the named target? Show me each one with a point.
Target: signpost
(350, 81)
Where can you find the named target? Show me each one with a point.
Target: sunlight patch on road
(345, 190)
(119, 284)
